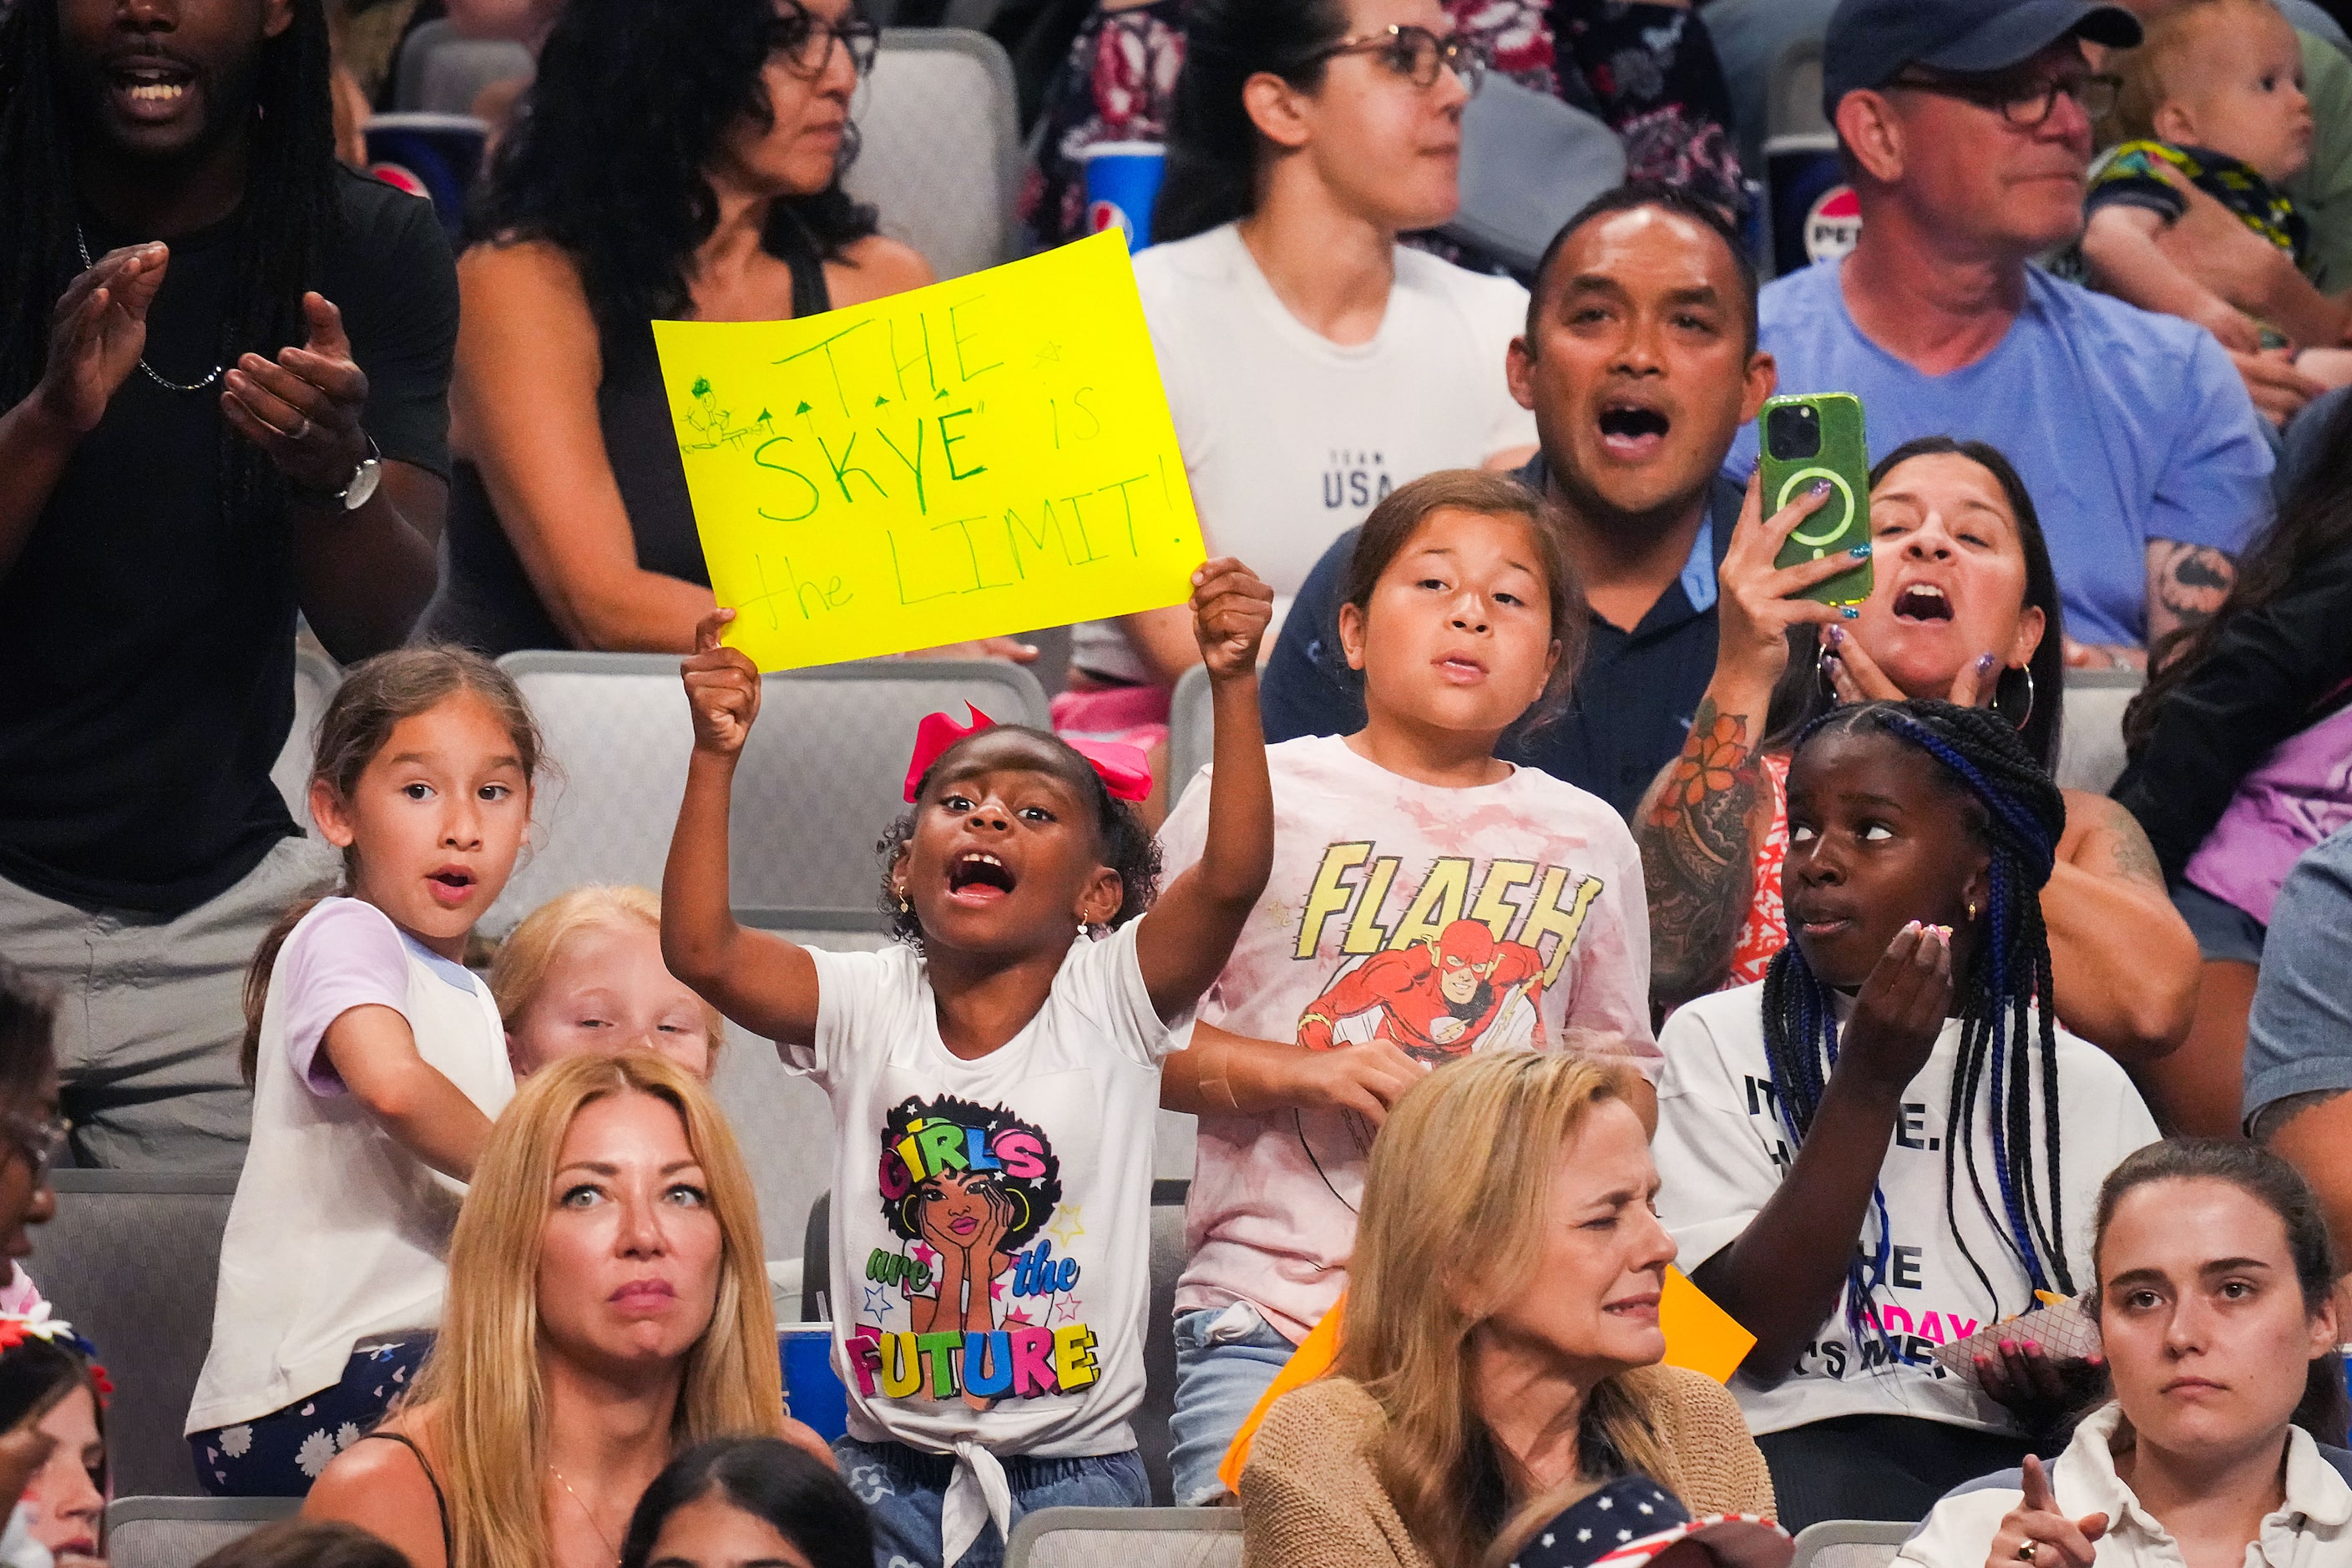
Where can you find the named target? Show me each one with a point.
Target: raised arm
(1700, 824)
(1190, 933)
(374, 1053)
(2122, 961)
(758, 979)
(2186, 584)
(1780, 1278)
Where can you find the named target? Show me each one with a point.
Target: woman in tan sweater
(1502, 1337)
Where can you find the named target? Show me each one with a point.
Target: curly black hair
(1030, 1172)
(607, 156)
(1125, 844)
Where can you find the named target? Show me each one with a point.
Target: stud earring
(1972, 908)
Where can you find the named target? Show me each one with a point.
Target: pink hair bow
(1124, 769)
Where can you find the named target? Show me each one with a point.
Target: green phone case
(1844, 521)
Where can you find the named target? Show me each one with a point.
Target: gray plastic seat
(131, 1260)
(940, 153)
(1126, 1537)
(2091, 740)
(821, 778)
(1850, 1543)
(179, 1532)
(442, 72)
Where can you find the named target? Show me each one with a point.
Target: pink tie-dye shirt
(1444, 920)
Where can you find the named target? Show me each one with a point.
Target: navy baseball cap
(1869, 41)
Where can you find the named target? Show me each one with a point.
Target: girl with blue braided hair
(1887, 1145)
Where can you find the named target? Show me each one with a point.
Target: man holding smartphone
(1964, 127)
(1640, 363)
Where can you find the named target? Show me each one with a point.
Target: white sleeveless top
(336, 1231)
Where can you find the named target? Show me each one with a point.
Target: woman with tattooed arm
(1965, 608)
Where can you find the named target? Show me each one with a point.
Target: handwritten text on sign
(977, 458)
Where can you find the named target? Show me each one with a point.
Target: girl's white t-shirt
(1022, 1180)
(338, 1232)
(1722, 1149)
(1443, 920)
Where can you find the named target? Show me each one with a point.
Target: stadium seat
(940, 151)
(1850, 1543)
(820, 780)
(2091, 742)
(1192, 731)
(1792, 101)
(441, 72)
(1126, 1537)
(131, 1260)
(181, 1531)
(315, 680)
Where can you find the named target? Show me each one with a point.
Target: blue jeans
(902, 1489)
(1226, 1358)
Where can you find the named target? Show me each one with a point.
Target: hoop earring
(2026, 718)
(905, 905)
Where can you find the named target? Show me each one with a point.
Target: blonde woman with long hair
(607, 1307)
(1502, 1335)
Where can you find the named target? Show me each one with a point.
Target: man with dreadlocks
(224, 368)
(1862, 1154)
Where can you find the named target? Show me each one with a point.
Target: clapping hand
(97, 333)
(303, 408)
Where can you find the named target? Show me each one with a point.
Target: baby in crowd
(2213, 97)
(378, 1061)
(994, 1077)
(1427, 901)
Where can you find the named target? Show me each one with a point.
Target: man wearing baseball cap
(1965, 126)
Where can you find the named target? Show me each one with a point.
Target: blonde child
(2213, 98)
(994, 1081)
(377, 1061)
(1428, 901)
(583, 972)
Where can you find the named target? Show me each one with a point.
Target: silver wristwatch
(362, 488)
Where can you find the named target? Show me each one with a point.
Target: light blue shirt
(2125, 426)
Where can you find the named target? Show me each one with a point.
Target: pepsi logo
(400, 178)
(1832, 225)
(1102, 215)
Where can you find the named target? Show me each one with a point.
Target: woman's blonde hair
(483, 1393)
(1441, 1244)
(520, 967)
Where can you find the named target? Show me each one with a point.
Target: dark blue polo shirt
(1632, 708)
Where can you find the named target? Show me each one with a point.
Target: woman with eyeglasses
(1312, 366)
(680, 160)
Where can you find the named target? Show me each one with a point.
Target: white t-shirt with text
(992, 1229)
(1444, 920)
(1722, 1150)
(1289, 438)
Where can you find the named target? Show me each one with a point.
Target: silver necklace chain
(82, 243)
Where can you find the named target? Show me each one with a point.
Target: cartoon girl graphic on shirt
(966, 1187)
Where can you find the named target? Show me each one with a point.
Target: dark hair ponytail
(368, 705)
(1214, 147)
(2325, 1409)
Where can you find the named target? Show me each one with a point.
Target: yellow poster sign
(977, 458)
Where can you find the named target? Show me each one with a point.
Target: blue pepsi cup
(432, 156)
(811, 1388)
(1122, 182)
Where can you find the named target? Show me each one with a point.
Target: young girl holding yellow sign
(994, 1081)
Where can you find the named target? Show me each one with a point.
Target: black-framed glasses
(806, 43)
(37, 1137)
(1415, 54)
(2024, 102)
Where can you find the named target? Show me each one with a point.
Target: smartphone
(1819, 435)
